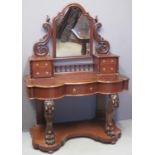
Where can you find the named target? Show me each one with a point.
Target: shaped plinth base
(94, 129)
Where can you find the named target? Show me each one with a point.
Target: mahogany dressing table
(73, 31)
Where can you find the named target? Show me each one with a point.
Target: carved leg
(48, 113)
(113, 104)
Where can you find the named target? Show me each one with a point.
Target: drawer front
(108, 69)
(40, 69)
(109, 65)
(82, 89)
(109, 61)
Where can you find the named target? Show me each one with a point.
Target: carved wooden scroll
(102, 46)
(40, 48)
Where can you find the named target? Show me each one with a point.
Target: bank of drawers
(41, 69)
(109, 65)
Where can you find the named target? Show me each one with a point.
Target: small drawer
(109, 61)
(41, 69)
(112, 68)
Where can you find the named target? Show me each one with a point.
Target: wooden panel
(80, 89)
(112, 60)
(64, 131)
(126, 85)
(40, 69)
(75, 90)
(108, 68)
(110, 87)
(109, 65)
(47, 93)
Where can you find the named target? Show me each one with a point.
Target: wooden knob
(111, 68)
(74, 90)
(91, 88)
(46, 64)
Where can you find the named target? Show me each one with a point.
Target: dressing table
(73, 68)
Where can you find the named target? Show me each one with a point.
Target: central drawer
(80, 89)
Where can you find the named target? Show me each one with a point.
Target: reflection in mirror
(72, 33)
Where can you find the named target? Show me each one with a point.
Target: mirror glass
(72, 33)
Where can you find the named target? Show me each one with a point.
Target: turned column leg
(48, 113)
(113, 103)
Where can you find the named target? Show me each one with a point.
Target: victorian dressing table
(53, 76)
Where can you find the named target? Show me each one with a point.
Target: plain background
(116, 18)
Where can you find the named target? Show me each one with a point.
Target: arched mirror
(72, 32)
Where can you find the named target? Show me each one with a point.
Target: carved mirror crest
(72, 32)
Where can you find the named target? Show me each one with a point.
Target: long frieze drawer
(81, 89)
(40, 69)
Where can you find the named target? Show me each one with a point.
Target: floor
(86, 146)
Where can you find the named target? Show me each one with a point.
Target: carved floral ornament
(40, 48)
(114, 100)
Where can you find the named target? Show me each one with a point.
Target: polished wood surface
(75, 84)
(92, 129)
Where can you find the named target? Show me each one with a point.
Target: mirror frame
(91, 30)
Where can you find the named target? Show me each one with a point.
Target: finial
(47, 18)
(96, 19)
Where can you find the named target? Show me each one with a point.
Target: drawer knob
(104, 69)
(47, 73)
(46, 64)
(74, 90)
(91, 88)
(103, 61)
(111, 68)
(37, 73)
(37, 64)
(112, 60)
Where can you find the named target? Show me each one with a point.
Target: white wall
(115, 16)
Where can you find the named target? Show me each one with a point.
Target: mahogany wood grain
(75, 85)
